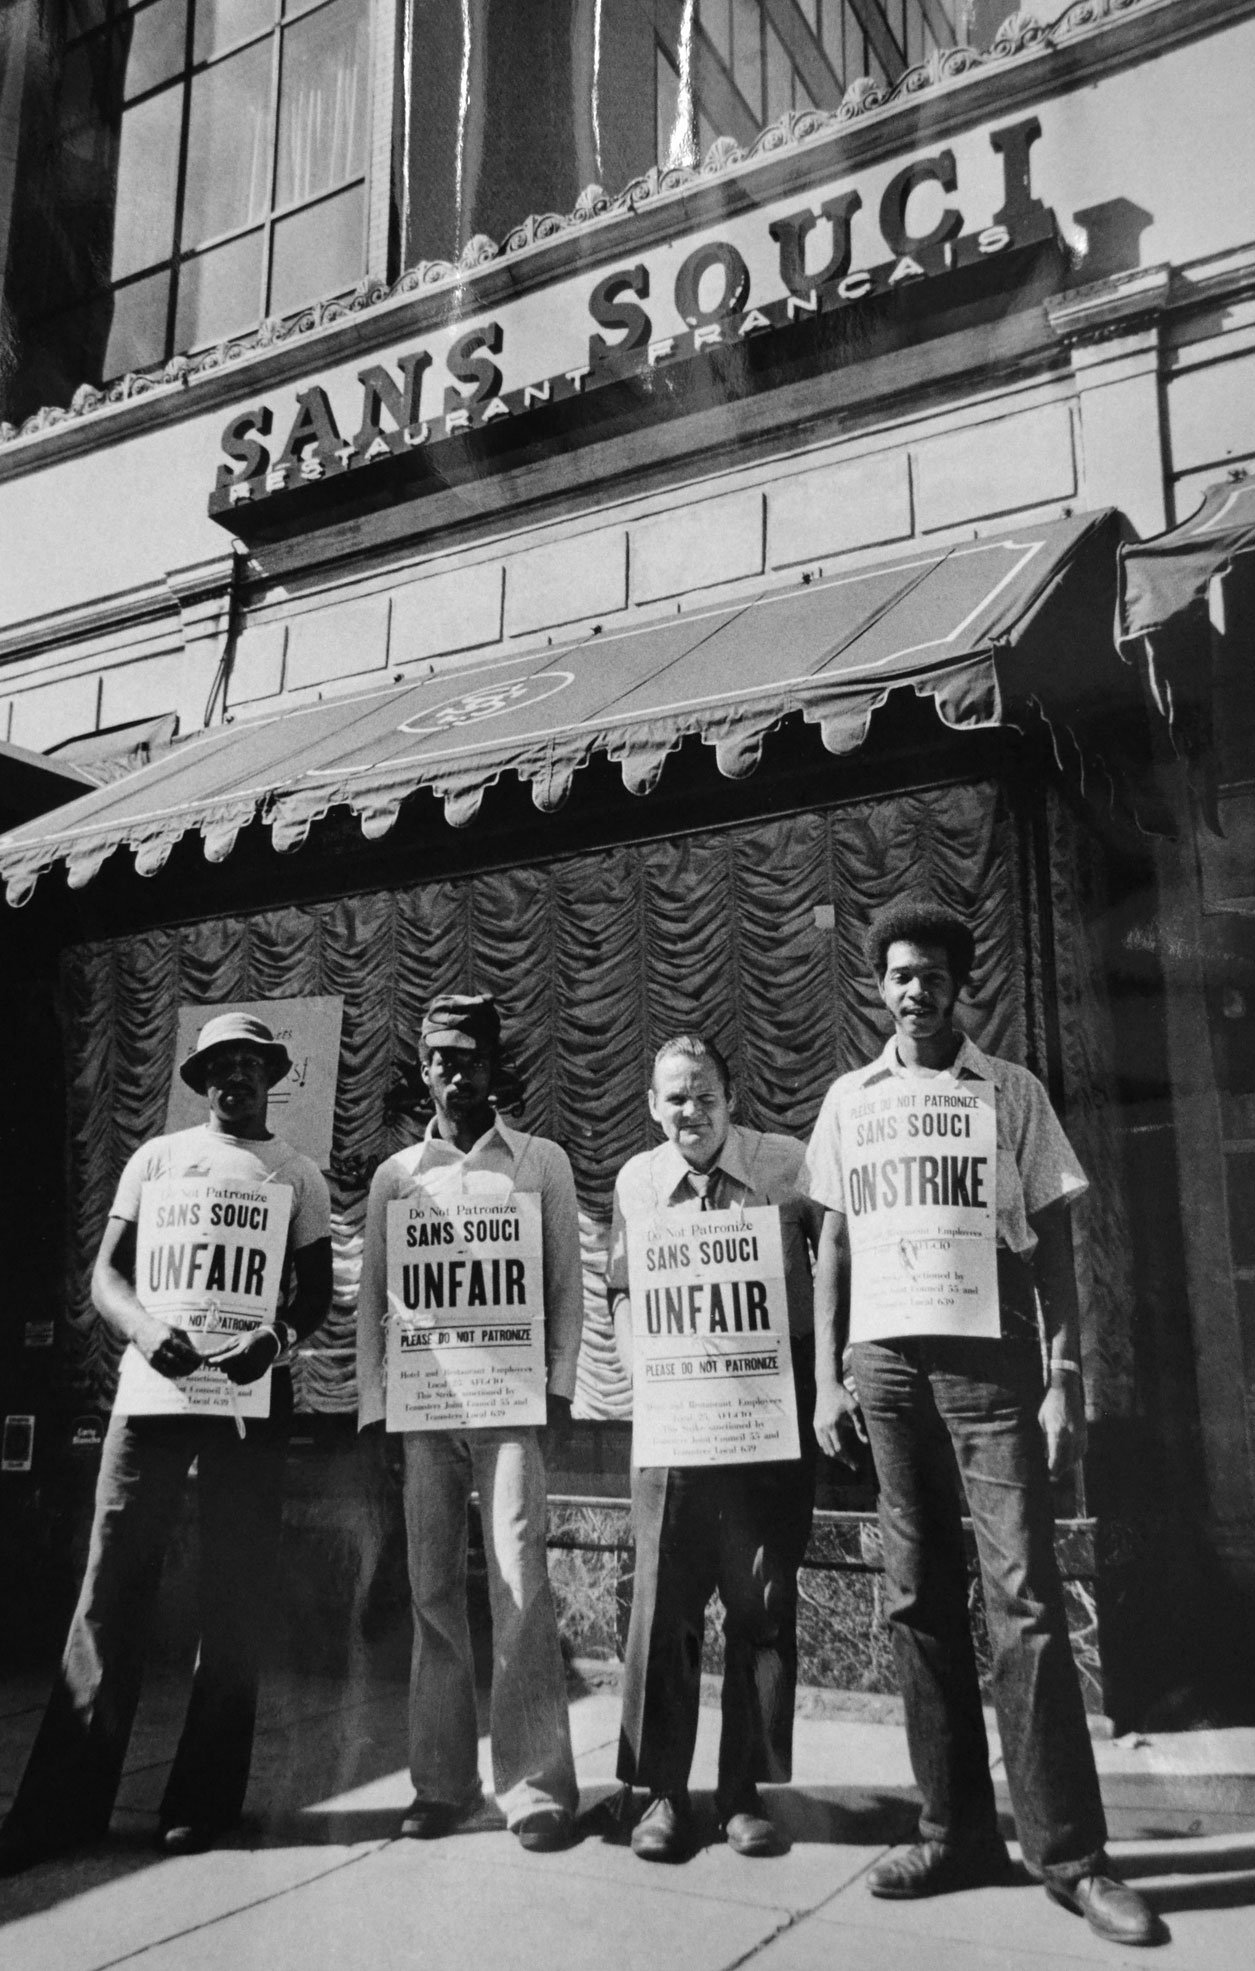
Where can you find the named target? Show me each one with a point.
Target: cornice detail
(1021, 35)
(1116, 306)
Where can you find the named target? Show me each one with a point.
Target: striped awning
(993, 630)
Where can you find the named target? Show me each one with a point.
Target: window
(748, 62)
(206, 169)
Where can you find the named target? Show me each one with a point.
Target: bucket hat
(234, 1029)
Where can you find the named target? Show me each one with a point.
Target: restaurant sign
(661, 341)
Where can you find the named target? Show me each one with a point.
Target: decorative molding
(1119, 305)
(204, 593)
(1021, 36)
(1227, 276)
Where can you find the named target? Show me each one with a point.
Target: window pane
(228, 156)
(322, 101)
(148, 166)
(318, 252)
(219, 293)
(221, 23)
(125, 330)
(747, 70)
(155, 44)
(668, 100)
(91, 83)
(82, 15)
(779, 77)
(137, 334)
(713, 20)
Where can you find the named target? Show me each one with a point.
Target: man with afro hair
(939, 1303)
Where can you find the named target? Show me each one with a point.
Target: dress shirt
(1036, 1163)
(752, 1168)
(436, 1166)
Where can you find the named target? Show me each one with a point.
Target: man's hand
(839, 1423)
(557, 1424)
(167, 1350)
(249, 1357)
(1062, 1419)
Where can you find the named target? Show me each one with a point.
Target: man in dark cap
(469, 1152)
(170, 1410)
(947, 1180)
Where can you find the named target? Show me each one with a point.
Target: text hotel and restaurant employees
(931, 1263)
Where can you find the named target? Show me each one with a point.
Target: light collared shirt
(752, 1168)
(436, 1167)
(1036, 1162)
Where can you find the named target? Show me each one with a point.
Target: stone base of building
(1160, 1627)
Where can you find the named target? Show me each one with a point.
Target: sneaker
(664, 1832)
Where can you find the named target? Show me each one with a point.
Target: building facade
(585, 501)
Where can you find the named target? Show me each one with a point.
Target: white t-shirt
(208, 1153)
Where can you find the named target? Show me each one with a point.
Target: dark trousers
(67, 1791)
(921, 1397)
(741, 1529)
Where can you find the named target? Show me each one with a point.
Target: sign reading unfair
(713, 1370)
(835, 285)
(921, 1167)
(466, 1331)
(208, 1259)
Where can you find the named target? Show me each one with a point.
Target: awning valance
(1164, 582)
(1164, 616)
(988, 628)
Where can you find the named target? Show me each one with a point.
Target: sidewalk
(318, 1879)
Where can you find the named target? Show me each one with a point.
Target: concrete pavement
(319, 1880)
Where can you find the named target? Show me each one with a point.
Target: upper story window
(724, 68)
(187, 168)
(203, 166)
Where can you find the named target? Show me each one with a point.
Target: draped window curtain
(595, 959)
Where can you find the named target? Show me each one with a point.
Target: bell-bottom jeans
(67, 1791)
(532, 1761)
(920, 1397)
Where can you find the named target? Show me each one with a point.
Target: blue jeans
(920, 1397)
(67, 1791)
(532, 1761)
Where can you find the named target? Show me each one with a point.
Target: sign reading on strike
(713, 1370)
(921, 1187)
(466, 1326)
(208, 1259)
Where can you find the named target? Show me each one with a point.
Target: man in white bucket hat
(241, 1263)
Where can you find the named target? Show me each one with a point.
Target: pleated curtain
(595, 959)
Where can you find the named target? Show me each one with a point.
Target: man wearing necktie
(738, 1528)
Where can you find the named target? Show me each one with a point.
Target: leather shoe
(545, 1830)
(186, 1838)
(1111, 1909)
(427, 1820)
(749, 1832)
(664, 1832)
(936, 1868)
(19, 1852)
